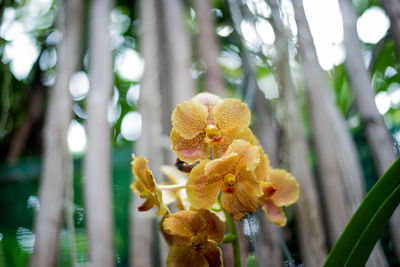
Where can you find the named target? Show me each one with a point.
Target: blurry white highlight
(79, 85)
(129, 65)
(77, 139)
(131, 126)
(372, 25)
(382, 101)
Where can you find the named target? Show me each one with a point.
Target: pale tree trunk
(268, 131)
(379, 140)
(209, 48)
(165, 81)
(57, 162)
(148, 145)
(339, 168)
(392, 8)
(175, 55)
(98, 195)
(180, 52)
(308, 211)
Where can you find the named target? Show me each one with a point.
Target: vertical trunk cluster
(98, 196)
(209, 48)
(338, 165)
(378, 137)
(308, 210)
(148, 145)
(57, 164)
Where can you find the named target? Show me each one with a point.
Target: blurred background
(86, 83)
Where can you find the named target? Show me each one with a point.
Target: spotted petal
(213, 255)
(207, 99)
(219, 149)
(263, 167)
(202, 190)
(184, 223)
(180, 256)
(215, 226)
(287, 188)
(142, 173)
(244, 197)
(222, 166)
(231, 115)
(189, 150)
(145, 186)
(274, 213)
(189, 119)
(248, 155)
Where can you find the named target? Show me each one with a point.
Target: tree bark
(392, 8)
(148, 145)
(180, 52)
(97, 160)
(308, 210)
(209, 48)
(268, 131)
(322, 127)
(379, 140)
(57, 162)
(339, 168)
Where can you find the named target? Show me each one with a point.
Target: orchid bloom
(234, 174)
(208, 121)
(280, 189)
(146, 187)
(193, 236)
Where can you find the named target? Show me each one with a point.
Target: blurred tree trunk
(392, 8)
(57, 164)
(209, 48)
(308, 210)
(148, 145)
(97, 160)
(379, 140)
(34, 113)
(175, 55)
(378, 137)
(179, 46)
(338, 164)
(268, 131)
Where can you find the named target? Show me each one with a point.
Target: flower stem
(171, 186)
(235, 243)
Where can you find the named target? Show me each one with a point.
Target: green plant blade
(367, 223)
(360, 253)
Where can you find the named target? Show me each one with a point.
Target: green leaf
(251, 261)
(360, 235)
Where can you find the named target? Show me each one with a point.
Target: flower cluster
(224, 163)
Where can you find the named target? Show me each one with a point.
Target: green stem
(235, 243)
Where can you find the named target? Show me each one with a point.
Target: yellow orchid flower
(280, 189)
(193, 236)
(177, 177)
(208, 121)
(234, 174)
(146, 187)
